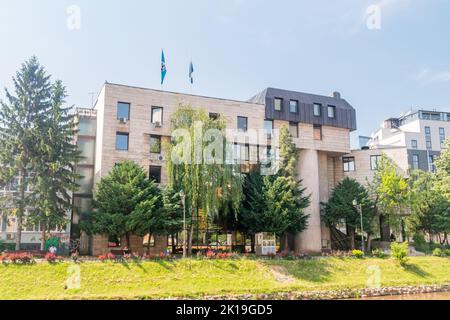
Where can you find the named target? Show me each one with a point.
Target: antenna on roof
(92, 94)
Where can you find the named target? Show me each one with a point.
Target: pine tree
(20, 132)
(288, 153)
(123, 201)
(55, 165)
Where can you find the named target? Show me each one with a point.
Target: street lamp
(183, 201)
(359, 208)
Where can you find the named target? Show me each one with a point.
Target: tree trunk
(369, 243)
(252, 243)
(191, 234)
(43, 234)
(385, 231)
(286, 242)
(351, 234)
(21, 209)
(173, 244)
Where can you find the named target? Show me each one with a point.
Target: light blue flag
(191, 71)
(163, 67)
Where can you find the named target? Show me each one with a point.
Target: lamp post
(359, 208)
(183, 201)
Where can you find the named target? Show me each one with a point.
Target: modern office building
(130, 123)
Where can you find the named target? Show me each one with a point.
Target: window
(154, 173)
(155, 144)
(278, 104)
(349, 164)
(157, 115)
(415, 162)
(122, 141)
(317, 109)
(374, 162)
(427, 130)
(293, 129)
(442, 137)
(414, 144)
(268, 127)
(331, 111)
(428, 142)
(214, 116)
(293, 106)
(317, 132)
(242, 123)
(146, 239)
(431, 165)
(123, 110)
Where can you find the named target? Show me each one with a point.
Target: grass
(197, 278)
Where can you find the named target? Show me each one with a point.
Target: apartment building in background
(131, 123)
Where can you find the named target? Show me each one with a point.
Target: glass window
(415, 161)
(86, 127)
(122, 141)
(414, 144)
(155, 144)
(242, 123)
(427, 130)
(442, 137)
(268, 127)
(214, 116)
(293, 129)
(155, 173)
(428, 142)
(293, 106)
(157, 115)
(331, 111)
(278, 104)
(374, 161)
(317, 132)
(317, 109)
(349, 164)
(123, 110)
(86, 181)
(87, 149)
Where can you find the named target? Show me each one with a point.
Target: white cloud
(426, 76)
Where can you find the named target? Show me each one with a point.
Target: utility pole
(183, 201)
(359, 209)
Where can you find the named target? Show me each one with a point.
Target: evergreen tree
(21, 131)
(123, 201)
(340, 208)
(54, 165)
(288, 154)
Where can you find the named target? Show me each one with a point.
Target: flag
(163, 67)
(191, 71)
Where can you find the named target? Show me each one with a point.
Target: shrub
(50, 257)
(107, 257)
(19, 258)
(358, 254)
(438, 252)
(379, 253)
(447, 252)
(400, 252)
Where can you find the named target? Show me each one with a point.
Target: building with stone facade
(130, 123)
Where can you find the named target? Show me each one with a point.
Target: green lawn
(197, 278)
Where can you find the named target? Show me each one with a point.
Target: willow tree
(196, 164)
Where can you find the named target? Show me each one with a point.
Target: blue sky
(239, 47)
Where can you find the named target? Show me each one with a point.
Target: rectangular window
(414, 144)
(415, 162)
(331, 111)
(431, 165)
(427, 130)
(268, 127)
(293, 129)
(442, 137)
(349, 164)
(317, 109)
(123, 110)
(157, 115)
(155, 144)
(374, 162)
(293, 106)
(317, 132)
(278, 104)
(428, 142)
(242, 123)
(214, 116)
(154, 173)
(122, 141)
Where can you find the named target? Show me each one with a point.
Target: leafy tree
(340, 208)
(21, 135)
(288, 154)
(389, 188)
(125, 203)
(430, 209)
(210, 186)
